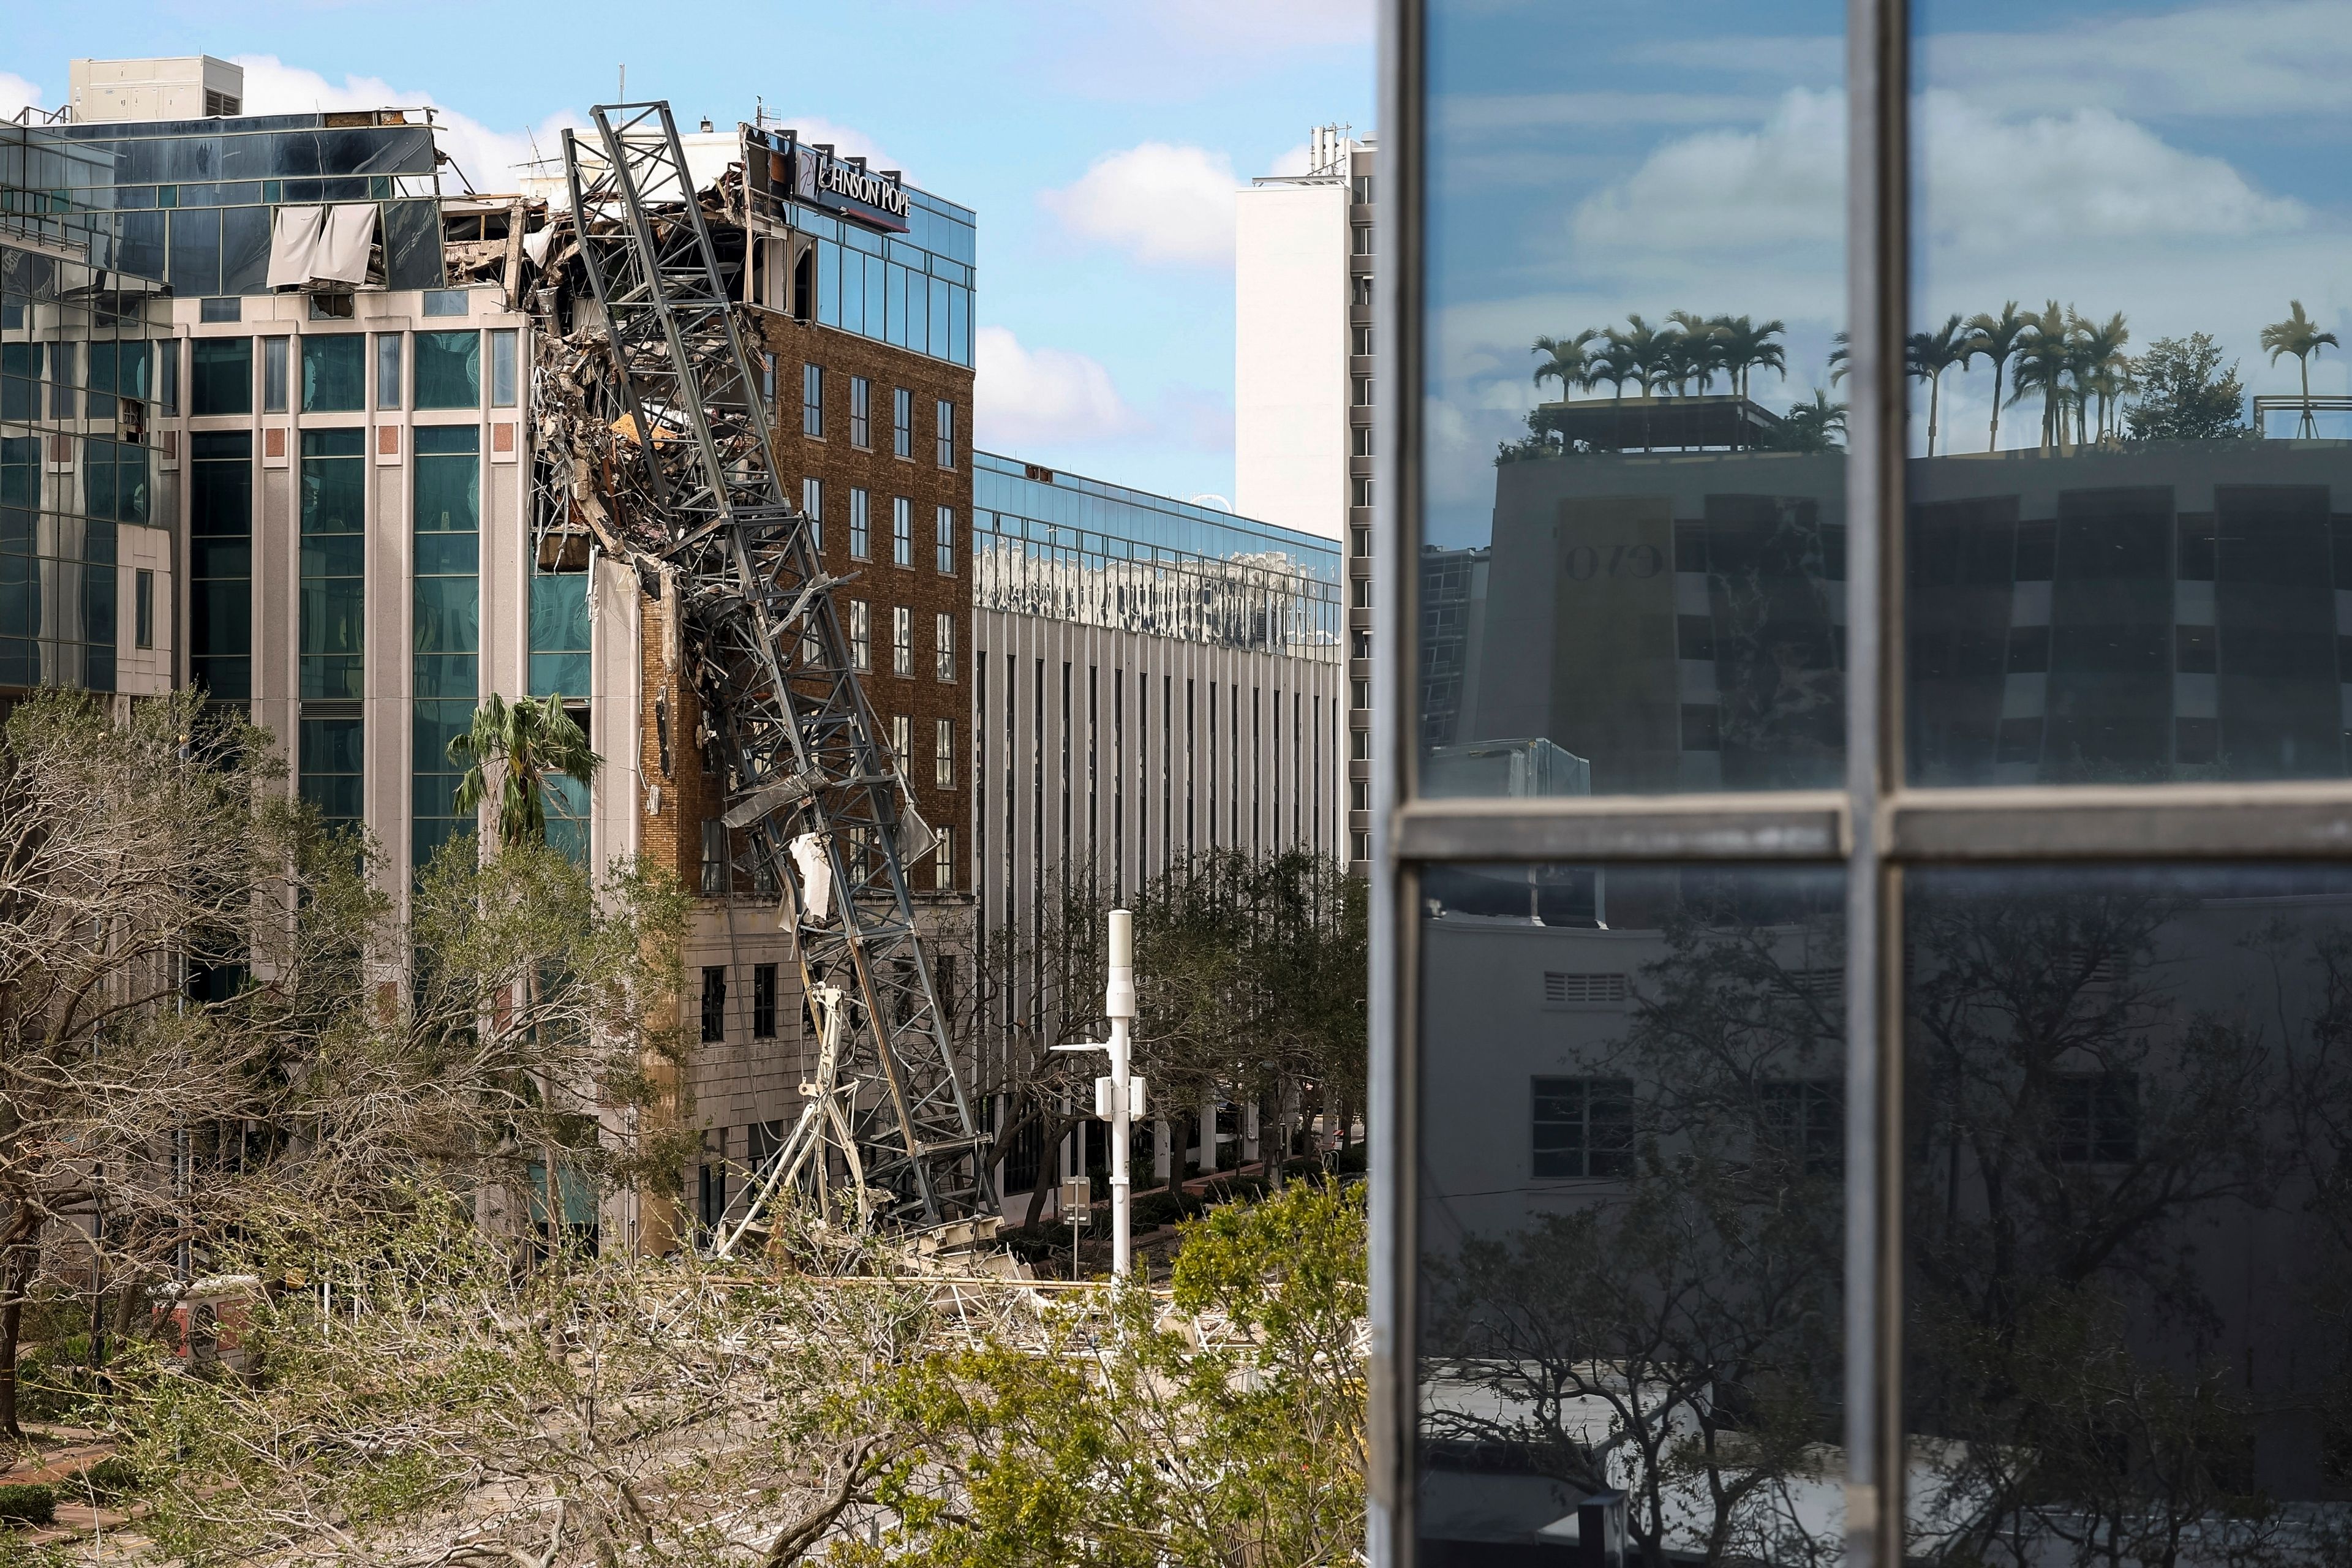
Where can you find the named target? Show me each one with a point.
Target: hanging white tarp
(320, 245)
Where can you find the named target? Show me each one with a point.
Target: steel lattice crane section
(737, 566)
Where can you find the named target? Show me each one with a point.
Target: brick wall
(920, 587)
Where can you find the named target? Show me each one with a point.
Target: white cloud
(1782, 183)
(1031, 397)
(2086, 175)
(2258, 58)
(1250, 27)
(1293, 161)
(1158, 202)
(490, 158)
(17, 94)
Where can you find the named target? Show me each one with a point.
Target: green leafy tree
(2298, 335)
(1130, 1439)
(2185, 395)
(512, 750)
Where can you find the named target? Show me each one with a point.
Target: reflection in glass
(2131, 493)
(1632, 1213)
(2128, 1244)
(1633, 551)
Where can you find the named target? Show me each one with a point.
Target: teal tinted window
(332, 632)
(220, 562)
(220, 375)
(330, 776)
(334, 373)
(445, 518)
(559, 634)
(448, 369)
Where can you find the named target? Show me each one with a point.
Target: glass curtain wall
(220, 564)
(1861, 918)
(445, 671)
(560, 664)
(79, 379)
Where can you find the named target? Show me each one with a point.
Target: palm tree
(1841, 360)
(1810, 425)
(1568, 364)
(1748, 347)
(1930, 354)
(1651, 355)
(2043, 366)
(1701, 346)
(1997, 338)
(2100, 363)
(523, 743)
(2299, 335)
(1614, 363)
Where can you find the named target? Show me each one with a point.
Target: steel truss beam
(787, 725)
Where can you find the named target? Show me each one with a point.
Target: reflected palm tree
(2043, 363)
(1652, 353)
(1614, 363)
(1998, 338)
(1567, 363)
(2299, 335)
(1703, 345)
(1814, 427)
(1840, 357)
(1748, 346)
(1929, 356)
(2099, 362)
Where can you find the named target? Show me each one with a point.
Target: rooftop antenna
(625, 82)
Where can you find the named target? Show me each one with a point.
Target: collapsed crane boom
(815, 796)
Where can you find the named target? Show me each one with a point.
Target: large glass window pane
(220, 375)
(1632, 1213)
(2130, 484)
(1633, 476)
(333, 562)
(2127, 1243)
(448, 369)
(334, 373)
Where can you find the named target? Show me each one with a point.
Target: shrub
(33, 1504)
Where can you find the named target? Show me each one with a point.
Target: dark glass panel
(196, 257)
(221, 376)
(245, 248)
(1633, 478)
(2128, 1248)
(1631, 1106)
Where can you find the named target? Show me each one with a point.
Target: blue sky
(1099, 144)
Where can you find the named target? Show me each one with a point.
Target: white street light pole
(1118, 1006)
(1119, 1096)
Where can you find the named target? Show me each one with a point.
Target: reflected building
(2131, 614)
(86, 557)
